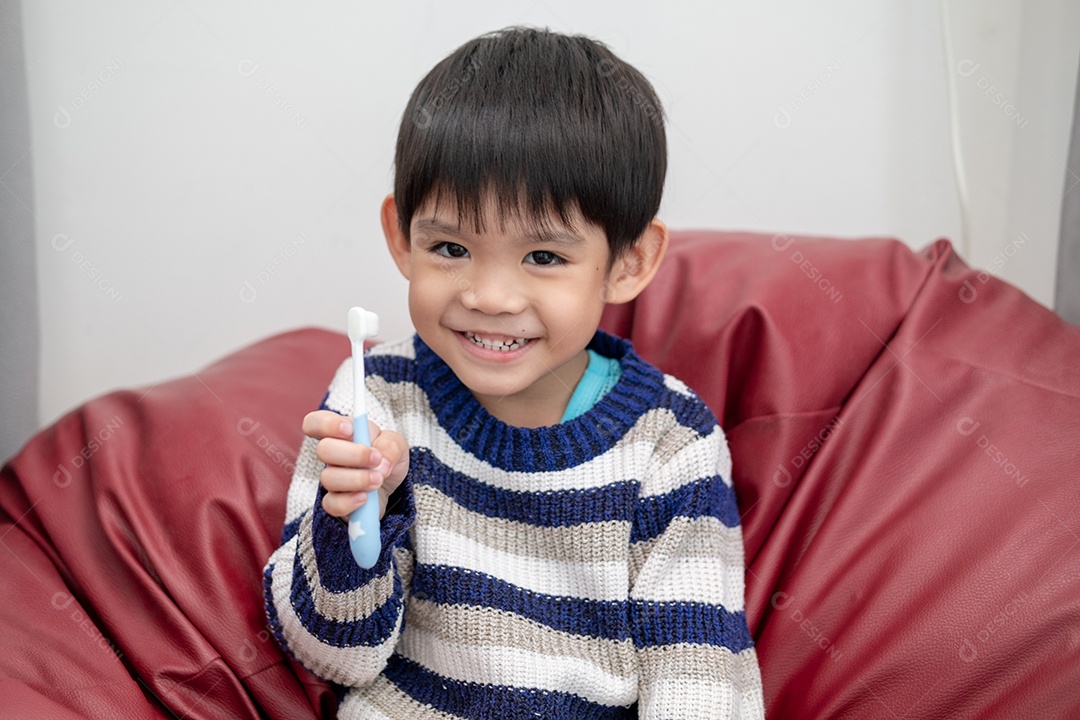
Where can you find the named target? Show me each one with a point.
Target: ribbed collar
(549, 448)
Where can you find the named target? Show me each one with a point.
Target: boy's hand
(353, 470)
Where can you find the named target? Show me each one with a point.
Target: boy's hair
(540, 122)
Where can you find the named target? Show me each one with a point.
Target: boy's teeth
(501, 345)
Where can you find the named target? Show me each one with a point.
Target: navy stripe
(605, 619)
(338, 572)
(324, 406)
(666, 623)
(561, 508)
(711, 497)
(392, 368)
(271, 610)
(486, 701)
(290, 530)
(689, 411)
(656, 623)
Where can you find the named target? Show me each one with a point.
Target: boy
(560, 538)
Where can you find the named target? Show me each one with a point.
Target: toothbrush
(364, 521)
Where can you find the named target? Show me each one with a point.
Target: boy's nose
(492, 291)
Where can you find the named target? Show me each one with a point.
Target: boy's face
(509, 310)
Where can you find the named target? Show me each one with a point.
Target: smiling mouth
(497, 344)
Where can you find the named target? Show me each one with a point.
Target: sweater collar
(546, 448)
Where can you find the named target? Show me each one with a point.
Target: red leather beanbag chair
(905, 434)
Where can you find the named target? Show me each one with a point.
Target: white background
(209, 173)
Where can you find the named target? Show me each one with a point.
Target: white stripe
(305, 482)
(402, 346)
(355, 705)
(591, 581)
(689, 699)
(518, 668)
(347, 666)
(676, 385)
(692, 580)
(366, 704)
(709, 567)
(709, 454)
(615, 465)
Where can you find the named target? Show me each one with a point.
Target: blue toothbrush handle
(364, 521)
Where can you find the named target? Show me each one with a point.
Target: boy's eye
(449, 249)
(543, 257)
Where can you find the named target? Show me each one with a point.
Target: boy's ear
(395, 238)
(635, 268)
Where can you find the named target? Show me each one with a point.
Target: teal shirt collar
(600, 376)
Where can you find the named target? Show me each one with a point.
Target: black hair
(541, 122)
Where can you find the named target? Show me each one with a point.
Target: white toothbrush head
(362, 324)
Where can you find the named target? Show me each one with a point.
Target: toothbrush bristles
(362, 324)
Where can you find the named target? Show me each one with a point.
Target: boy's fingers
(341, 504)
(346, 453)
(391, 444)
(349, 480)
(326, 423)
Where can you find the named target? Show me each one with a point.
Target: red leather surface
(136, 530)
(906, 443)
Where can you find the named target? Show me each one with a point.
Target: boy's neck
(541, 404)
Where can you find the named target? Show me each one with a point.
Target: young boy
(560, 536)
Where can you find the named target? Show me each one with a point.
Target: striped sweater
(590, 569)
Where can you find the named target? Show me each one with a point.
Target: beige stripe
(700, 664)
(341, 606)
(683, 457)
(695, 560)
(700, 537)
(346, 666)
(387, 699)
(487, 627)
(675, 440)
(587, 543)
(340, 393)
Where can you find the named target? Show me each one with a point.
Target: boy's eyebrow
(557, 237)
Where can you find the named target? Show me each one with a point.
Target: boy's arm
(695, 655)
(337, 619)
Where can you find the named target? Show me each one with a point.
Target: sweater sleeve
(337, 619)
(696, 658)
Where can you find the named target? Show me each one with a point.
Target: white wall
(209, 173)
(1014, 67)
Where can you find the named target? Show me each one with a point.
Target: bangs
(544, 125)
(539, 213)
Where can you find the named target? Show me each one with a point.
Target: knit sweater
(590, 569)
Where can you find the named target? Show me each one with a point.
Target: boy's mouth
(499, 344)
